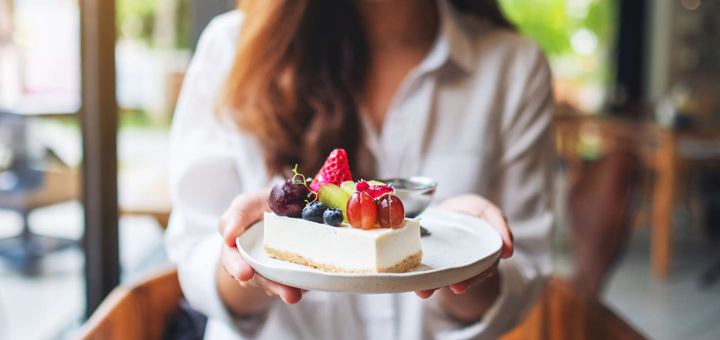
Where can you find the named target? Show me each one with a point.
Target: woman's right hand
(245, 210)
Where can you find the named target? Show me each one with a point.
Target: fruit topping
(374, 190)
(336, 170)
(288, 198)
(361, 211)
(390, 212)
(333, 217)
(348, 186)
(333, 197)
(314, 212)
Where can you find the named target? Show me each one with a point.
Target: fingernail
(458, 291)
(425, 297)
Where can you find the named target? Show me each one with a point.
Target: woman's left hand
(477, 206)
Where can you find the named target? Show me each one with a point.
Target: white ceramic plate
(458, 248)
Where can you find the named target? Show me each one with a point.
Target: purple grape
(288, 199)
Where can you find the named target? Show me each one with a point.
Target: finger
(462, 287)
(424, 294)
(245, 210)
(289, 295)
(494, 216)
(235, 265)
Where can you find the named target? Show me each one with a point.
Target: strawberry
(336, 170)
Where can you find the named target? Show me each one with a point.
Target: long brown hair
(298, 68)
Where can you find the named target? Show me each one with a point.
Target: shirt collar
(453, 43)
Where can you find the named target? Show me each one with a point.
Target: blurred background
(637, 133)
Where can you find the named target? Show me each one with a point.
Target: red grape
(390, 212)
(361, 211)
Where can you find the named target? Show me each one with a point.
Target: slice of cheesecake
(343, 249)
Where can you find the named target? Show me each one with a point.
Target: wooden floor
(141, 311)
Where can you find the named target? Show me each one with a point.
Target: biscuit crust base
(406, 265)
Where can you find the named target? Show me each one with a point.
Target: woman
(439, 88)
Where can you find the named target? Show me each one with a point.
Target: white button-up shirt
(475, 115)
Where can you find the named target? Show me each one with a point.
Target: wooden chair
(138, 311)
(141, 311)
(562, 313)
(600, 216)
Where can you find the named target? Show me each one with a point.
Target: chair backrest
(601, 217)
(140, 311)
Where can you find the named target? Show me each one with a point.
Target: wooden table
(25, 250)
(658, 149)
(54, 183)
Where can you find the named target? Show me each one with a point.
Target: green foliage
(552, 23)
(143, 9)
(133, 118)
(182, 24)
(543, 21)
(549, 24)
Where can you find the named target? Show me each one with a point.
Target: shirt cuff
(505, 313)
(198, 279)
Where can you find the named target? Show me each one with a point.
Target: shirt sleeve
(204, 174)
(522, 189)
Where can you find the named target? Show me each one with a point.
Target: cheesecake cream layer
(343, 249)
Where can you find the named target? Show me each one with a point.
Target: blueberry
(333, 217)
(314, 212)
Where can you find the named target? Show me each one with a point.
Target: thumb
(245, 210)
